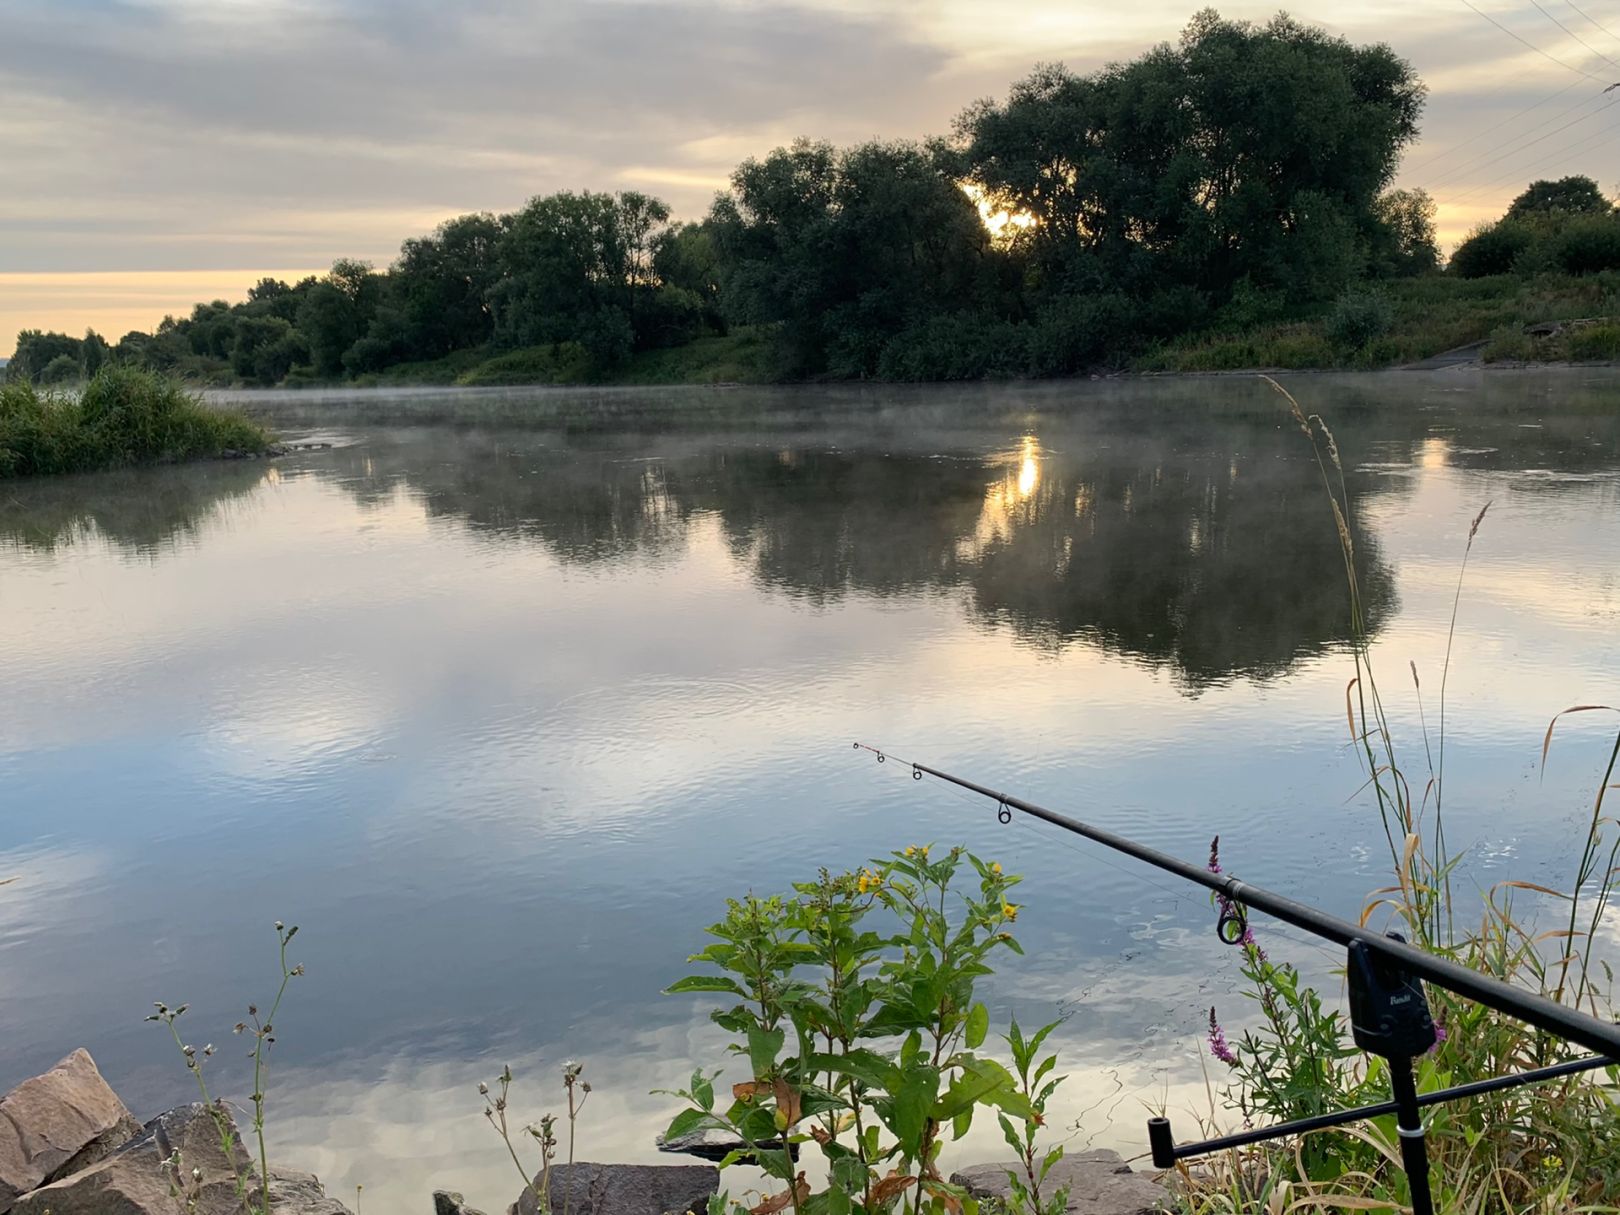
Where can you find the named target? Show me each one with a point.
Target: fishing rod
(1590, 1032)
(1389, 1012)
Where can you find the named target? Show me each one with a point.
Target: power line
(1493, 128)
(1579, 146)
(1573, 34)
(1544, 54)
(1497, 155)
(1591, 21)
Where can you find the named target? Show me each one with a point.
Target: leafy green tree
(266, 349)
(94, 353)
(440, 288)
(1404, 241)
(1242, 151)
(37, 350)
(844, 250)
(335, 311)
(1575, 195)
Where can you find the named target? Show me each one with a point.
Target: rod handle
(1162, 1143)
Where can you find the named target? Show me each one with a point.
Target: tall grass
(1545, 1147)
(124, 416)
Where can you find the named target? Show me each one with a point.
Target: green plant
(263, 1032)
(544, 1133)
(1358, 316)
(1021, 1136)
(859, 1039)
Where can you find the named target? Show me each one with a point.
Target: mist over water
(501, 696)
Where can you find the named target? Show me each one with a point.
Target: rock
(67, 1117)
(133, 1180)
(1099, 1183)
(625, 1189)
(448, 1202)
(294, 1193)
(711, 1143)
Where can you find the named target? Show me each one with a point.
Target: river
(503, 694)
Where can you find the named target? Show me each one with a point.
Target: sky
(158, 152)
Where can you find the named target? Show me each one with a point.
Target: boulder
(711, 1143)
(58, 1123)
(449, 1202)
(1099, 1183)
(134, 1180)
(294, 1193)
(625, 1189)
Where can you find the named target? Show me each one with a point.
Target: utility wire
(1591, 21)
(1573, 34)
(1497, 155)
(1544, 54)
(1574, 149)
(1494, 128)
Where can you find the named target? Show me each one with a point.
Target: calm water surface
(500, 710)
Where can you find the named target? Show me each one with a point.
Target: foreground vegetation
(124, 416)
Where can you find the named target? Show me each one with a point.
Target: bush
(63, 369)
(1359, 315)
(1588, 246)
(1493, 249)
(124, 416)
(956, 347)
(1595, 343)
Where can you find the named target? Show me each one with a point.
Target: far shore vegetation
(1221, 202)
(124, 416)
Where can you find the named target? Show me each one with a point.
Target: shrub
(1594, 343)
(124, 416)
(1588, 246)
(955, 347)
(63, 369)
(1492, 249)
(1359, 315)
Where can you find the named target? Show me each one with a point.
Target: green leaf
(867, 1066)
(1052, 1157)
(684, 1123)
(763, 1047)
(705, 983)
(1010, 1134)
(910, 1103)
(979, 1081)
(961, 1123)
(978, 1024)
(702, 1090)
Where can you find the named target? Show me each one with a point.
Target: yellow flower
(910, 851)
(1009, 910)
(995, 866)
(860, 884)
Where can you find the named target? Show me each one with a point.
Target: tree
(1404, 242)
(335, 311)
(266, 348)
(844, 250)
(440, 288)
(37, 350)
(1567, 196)
(1241, 152)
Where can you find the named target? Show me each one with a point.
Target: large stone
(135, 1180)
(625, 1189)
(449, 1202)
(57, 1123)
(294, 1193)
(1099, 1183)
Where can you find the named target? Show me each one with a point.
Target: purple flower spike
(1217, 1042)
(1215, 855)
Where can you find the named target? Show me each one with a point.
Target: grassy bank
(1420, 317)
(741, 357)
(122, 417)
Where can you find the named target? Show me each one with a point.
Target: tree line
(1238, 173)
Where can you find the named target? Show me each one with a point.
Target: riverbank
(1512, 319)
